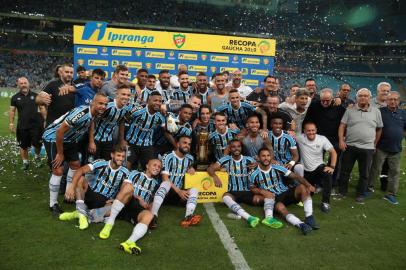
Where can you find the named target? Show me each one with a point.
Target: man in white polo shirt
(311, 148)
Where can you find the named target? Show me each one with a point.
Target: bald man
(30, 122)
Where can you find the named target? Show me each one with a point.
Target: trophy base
(202, 167)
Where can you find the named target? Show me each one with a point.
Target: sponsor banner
(250, 82)
(84, 50)
(120, 52)
(260, 72)
(187, 56)
(97, 33)
(219, 58)
(100, 63)
(208, 192)
(164, 66)
(152, 54)
(249, 60)
(197, 68)
(109, 57)
(131, 64)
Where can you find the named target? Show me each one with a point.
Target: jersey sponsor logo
(197, 68)
(179, 40)
(153, 54)
(78, 116)
(164, 66)
(260, 72)
(102, 63)
(250, 82)
(219, 58)
(84, 50)
(250, 60)
(94, 31)
(121, 52)
(187, 56)
(130, 64)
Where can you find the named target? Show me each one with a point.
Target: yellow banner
(97, 33)
(163, 66)
(129, 64)
(197, 68)
(250, 82)
(208, 192)
(248, 60)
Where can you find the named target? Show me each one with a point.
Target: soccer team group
(125, 147)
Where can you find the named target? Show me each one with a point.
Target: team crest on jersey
(179, 40)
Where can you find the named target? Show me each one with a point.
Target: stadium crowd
(126, 147)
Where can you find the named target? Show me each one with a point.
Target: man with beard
(101, 135)
(175, 165)
(30, 122)
(57, 105)
(163, 85)
(107, 179)
(237, 111)
(220, 95)
(174, 81)
(311, 87)
(238, 168)
(270, 89)
(84, 93)
(202, 89)
(298, 112)
(132, 203)
(143, 122)
(236, 83)
(60, 140)
(181, 95)
(220, 138)
(268, 178)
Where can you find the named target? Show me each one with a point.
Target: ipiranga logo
(96, 31)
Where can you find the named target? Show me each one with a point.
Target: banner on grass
(208, 192)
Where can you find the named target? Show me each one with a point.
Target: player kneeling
(268, 178)
(238, 168)
(133, 203)
(107, 179)
(175, 166)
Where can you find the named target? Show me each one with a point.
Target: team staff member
(60, 139)
(30, 122)
(57, 105)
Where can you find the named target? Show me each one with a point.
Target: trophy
(202, 151)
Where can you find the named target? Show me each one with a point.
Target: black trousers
(321, 178)
(364, 159)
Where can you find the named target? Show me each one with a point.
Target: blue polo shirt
(394, 124)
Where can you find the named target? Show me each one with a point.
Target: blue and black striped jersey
(203, 96)
(281, 146)
(107, 181)
(109, 122)
(144, 187)
(182, 95)
(78, 119)
(238, 172)
(142, 127)
(237, 116)
(220, 141)
(143, 98)
(176, 167)
(271, 180)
